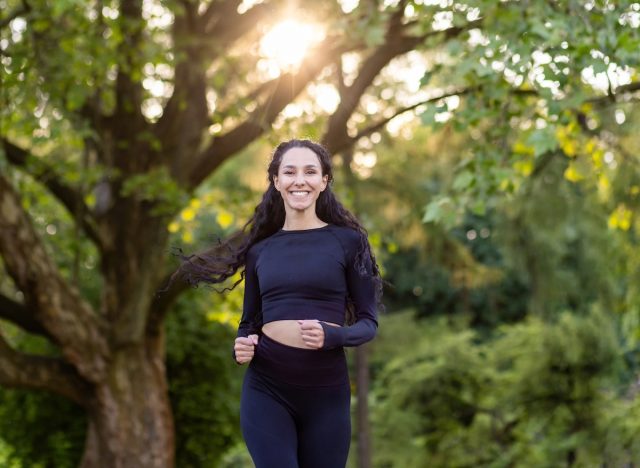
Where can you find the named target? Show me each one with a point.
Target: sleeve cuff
(333, 336)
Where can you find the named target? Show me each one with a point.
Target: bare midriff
(287, 332)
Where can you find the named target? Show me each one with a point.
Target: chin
(301, 208)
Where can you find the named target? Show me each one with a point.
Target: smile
(299, 193)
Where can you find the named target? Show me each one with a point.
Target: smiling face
(300, 180)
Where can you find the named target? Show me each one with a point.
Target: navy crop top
(309, 274)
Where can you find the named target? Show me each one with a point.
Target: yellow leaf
(586, 107)
(597, 157)
(620, 218)
(634, 190)
(375, 240)
(173, 227)
(224, 219)
(505, 184)
(572, 174)
(195, 204)
(524, 167)
(520, 148)
(392, 247)
(569, 147)
(603, 184)
(187, 214)
(187, 237)
(561, 133)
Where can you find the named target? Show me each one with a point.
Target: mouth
(299, 193)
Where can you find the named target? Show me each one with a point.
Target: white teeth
(298, 194)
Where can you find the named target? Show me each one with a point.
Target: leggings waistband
(299, 366)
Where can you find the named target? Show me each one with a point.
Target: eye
(311, 172)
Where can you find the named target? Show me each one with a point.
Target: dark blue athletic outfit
(294, 409)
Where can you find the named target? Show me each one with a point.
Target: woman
(307, 262)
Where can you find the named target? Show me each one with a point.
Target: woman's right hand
(244, 348)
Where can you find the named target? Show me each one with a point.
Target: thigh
(324, 435)
(267, 426)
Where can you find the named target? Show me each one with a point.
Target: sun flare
(287, 43)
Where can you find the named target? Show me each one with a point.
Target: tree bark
(130, 421)
(363, 426)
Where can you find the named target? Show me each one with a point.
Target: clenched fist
(244, 348)
(312, 333)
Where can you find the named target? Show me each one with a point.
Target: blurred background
(491, 149)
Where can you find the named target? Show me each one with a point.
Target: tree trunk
(363, 427)
(362, 413)
(130, 421)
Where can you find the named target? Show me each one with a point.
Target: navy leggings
(294, 410)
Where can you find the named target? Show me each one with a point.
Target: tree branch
(57, 305)
(175, 283)
(19, 315)
(288, 87)
(381, 123)
(231, 25)
(186, 109)
(128, 118)
(336, 132)
(163, 299)
(198, 40)
(216, 11)
(41, 373)
(68, 196)
(614, 95)
(396, 44)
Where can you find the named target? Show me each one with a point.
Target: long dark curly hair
(223, 261)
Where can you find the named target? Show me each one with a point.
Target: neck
(298, 221)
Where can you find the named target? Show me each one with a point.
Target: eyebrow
(291, 166)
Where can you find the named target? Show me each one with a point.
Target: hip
(300, 366)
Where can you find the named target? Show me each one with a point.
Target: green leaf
(542, 140)
(479, 207)
(428, 117)
(463, 180)
(432, 213)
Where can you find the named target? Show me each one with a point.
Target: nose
(299, 179)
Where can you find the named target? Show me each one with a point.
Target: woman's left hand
(312, 333)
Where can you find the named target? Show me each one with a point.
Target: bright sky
(286, 45)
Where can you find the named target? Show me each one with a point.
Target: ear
(325, 181)
(275, 183)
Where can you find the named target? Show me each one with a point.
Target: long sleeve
(252, 304)
(362, 290)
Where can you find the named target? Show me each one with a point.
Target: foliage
(535, 394)
(533, 82)
(39, 429)
(204, 382)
